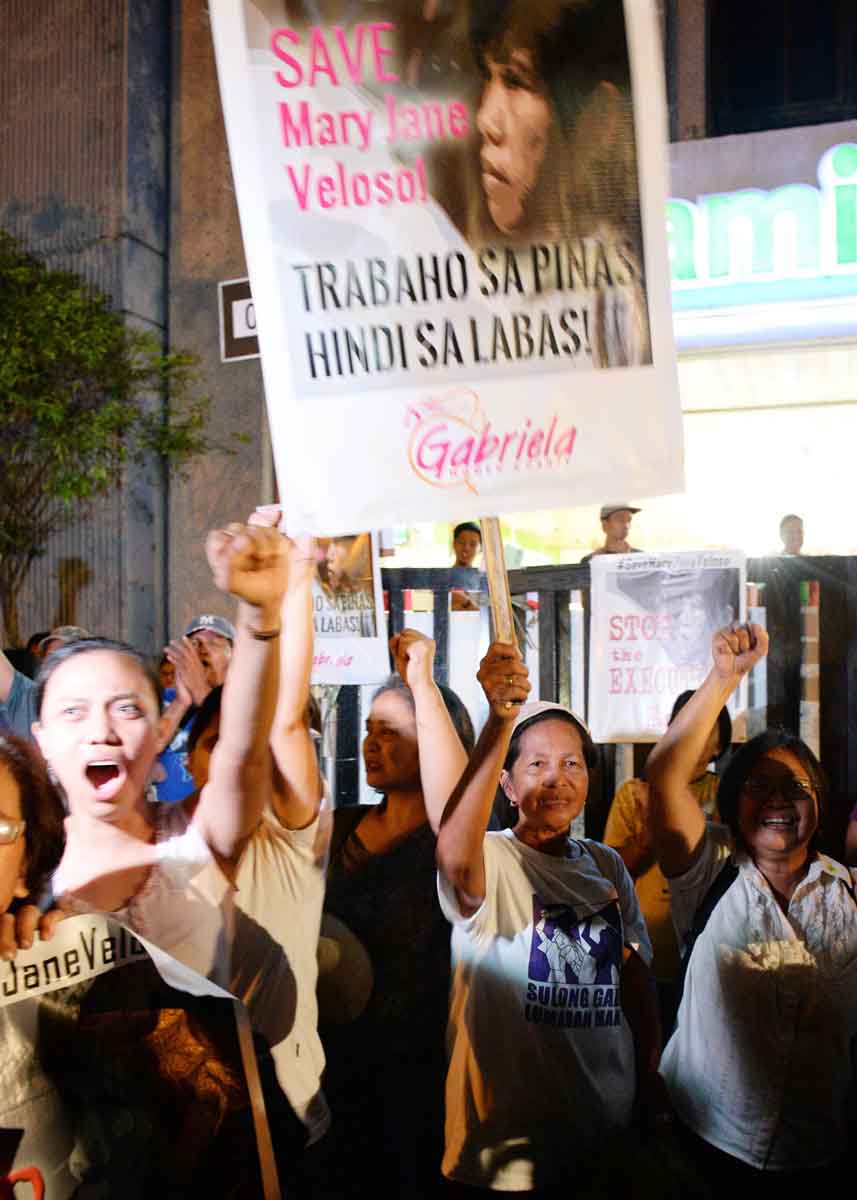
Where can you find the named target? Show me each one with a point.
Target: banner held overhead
(454, 224)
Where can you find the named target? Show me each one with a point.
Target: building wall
(83, 129)
(205, 248)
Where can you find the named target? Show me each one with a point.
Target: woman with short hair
(761, 1067)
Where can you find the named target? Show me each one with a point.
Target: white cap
(535, 708)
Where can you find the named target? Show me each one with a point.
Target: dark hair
(35, 641)
(85, 646)
(724, 723)
(590, 754)
(741, 767)
(576, 45)
(205, 714)
(789, 517)
(467, 527)
(453, 703)
(210, 708)
(41, 808)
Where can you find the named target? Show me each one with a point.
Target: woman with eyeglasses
(31, 832)
(761, 1066)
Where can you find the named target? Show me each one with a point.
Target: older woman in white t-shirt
(551, 996)
(761, 1066)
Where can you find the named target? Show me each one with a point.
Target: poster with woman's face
(348, 611)
(652, 621)
(113, 1083)
(453, 213)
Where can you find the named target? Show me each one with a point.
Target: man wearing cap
(616, 523)
(201, 659)
(213, 638)
(17, 692)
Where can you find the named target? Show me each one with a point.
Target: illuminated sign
(791, 242)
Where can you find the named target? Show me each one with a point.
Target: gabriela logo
(453, 444)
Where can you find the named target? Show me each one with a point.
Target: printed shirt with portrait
(626, 820)
(541, 1056)
(761, 1063)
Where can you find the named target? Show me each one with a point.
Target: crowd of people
(441, 1006)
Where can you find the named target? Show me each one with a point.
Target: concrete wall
(205, 247)
(83, 124)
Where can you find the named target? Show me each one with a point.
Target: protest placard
(348, 612)
(453, 221)
(113, 1083)
(652, 620)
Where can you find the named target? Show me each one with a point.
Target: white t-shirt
(762, 1061)
(541, 1056)
(184, 913)
(257, 943)
(281, 880)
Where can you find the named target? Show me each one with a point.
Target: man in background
(616, 523)
(466, 545)
(200, 659)
(17, 691)
(791, 533)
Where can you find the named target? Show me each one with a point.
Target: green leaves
(81, 392)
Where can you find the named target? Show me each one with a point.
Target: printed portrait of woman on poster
(544, 185)
(345, 593)
(442, 201)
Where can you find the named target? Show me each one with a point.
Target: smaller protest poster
(112, 1083)
(652, 620)
(348, 612)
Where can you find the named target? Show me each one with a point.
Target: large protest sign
(652, 620)
(112, 1083)
(453, 220)
(348, 612)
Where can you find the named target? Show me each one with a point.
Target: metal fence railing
(808, 604)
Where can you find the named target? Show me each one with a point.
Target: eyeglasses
(762, 787)
(10, 830)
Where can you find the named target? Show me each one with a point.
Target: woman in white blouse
(760, 1067)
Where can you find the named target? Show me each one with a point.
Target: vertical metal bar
(836, 698)
(782, 602)
(347, 745)
(561, 603)
(547, 646)
(440, 598)
(397, 608)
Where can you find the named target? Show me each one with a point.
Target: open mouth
(102, 775)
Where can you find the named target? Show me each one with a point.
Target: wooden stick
(498, 580)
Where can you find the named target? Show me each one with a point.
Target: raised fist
(413, 654)
(250, 562)
(505, 680)
(736, 650)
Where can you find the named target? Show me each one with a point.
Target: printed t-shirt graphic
(574, 966)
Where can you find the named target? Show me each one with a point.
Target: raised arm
(677, 822)
(191, 688)
(251, 564)
(442, 756)
(505, 681)
(297, 783)
(7, 677)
